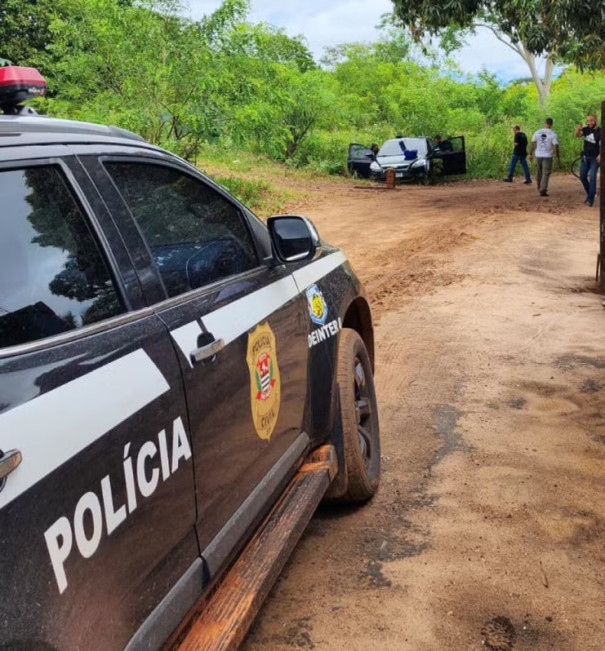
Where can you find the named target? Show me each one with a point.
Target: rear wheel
(359, 415)
(575, 167)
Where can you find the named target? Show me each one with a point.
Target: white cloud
(325, 23)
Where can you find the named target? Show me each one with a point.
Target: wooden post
(390, 179)
(602, 215)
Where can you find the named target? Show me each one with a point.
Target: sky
(325, 23)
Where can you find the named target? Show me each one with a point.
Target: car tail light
(18, 84)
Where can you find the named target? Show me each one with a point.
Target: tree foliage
(574, 29)
(24, 30)
(224, 86)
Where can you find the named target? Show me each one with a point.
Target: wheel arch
(358, 317)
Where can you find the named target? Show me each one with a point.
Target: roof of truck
(18, 130)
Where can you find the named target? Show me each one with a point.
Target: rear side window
(195, 235)
(53, 277)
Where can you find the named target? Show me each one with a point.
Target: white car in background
(412, 158)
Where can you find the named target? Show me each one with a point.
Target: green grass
(262, 197)
(265, 186)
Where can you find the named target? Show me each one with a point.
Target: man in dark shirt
(443, 145)
(591, 157)
(519, 156)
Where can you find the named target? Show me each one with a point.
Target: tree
(566, 30)
(24, 30)
(512, 39)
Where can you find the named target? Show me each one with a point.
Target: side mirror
(294, 238)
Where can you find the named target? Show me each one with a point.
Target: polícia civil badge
(265, 387)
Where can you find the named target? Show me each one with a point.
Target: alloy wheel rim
(363, 412)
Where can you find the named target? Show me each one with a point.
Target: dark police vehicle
(180, 386)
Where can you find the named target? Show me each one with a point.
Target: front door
(97, 521)
(359, 160)
(240, 332)
(452, 157)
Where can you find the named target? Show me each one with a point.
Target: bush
(259, 196)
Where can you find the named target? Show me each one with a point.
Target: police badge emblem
(265, 385)
(318, 308)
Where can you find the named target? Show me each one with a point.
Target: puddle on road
(517, 403)
(376, 579)
(445, 423)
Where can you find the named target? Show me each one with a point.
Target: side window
(195, 235)
(53, 277)
(359, 151)
(456, 144)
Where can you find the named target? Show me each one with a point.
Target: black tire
(575, 167)
(359, 415)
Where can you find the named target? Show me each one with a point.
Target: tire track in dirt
(487, 530)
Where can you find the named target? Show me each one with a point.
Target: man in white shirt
(544, 143)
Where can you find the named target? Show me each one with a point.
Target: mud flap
(339, 486)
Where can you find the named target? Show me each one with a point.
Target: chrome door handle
(208, 351)
(8, 462)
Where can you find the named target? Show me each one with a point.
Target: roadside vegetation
(236, 97)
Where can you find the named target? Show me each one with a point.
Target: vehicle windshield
(394, 148)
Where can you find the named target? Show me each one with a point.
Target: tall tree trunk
(549, 70)
(543, 85)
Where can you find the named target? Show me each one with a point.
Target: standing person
(544, 142)
(519, 156)
(591, 156)
(374, 149)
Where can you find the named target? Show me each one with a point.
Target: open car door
(451, 156)
(359, 160)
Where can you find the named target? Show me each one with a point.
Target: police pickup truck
(180, 386)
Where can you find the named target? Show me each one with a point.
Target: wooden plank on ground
(230, 611)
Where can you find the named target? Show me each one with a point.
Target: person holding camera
(591, 156)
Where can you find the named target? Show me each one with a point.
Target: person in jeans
(544, 143)
(519, 156)
(591, 156)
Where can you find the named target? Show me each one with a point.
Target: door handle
(8, 462)
(208, 351)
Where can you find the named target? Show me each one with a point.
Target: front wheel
(359, 416)
(575, 167)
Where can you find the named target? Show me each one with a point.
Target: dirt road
(489, 527)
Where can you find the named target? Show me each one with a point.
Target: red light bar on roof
(19, 84)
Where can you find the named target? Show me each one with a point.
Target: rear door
(246, 394)
(97, 520)
(454, 158)
(359, 160)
